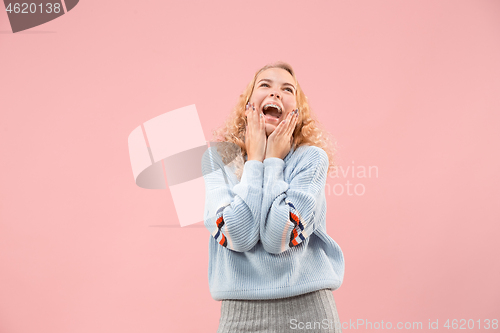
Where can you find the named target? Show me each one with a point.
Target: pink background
(411, 87)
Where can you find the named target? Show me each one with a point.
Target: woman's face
(274, 95)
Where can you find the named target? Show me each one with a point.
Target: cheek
(256, 96)
(291, 104)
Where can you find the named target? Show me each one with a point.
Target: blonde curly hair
(308, 130)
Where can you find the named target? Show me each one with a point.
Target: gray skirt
(311, 312)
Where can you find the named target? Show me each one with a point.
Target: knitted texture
(311, 312)
(268, 231)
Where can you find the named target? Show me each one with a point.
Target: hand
(280, 140)
(255, 135)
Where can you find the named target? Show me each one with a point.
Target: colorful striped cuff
(217, 234)
(298, 233)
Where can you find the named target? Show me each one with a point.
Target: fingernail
(246, 107)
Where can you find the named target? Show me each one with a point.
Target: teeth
(270, 104)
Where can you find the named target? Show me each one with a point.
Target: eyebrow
(285, 84)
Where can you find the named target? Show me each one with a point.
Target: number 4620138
(463, 324)
(32, 8)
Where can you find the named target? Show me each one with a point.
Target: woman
(271, 261)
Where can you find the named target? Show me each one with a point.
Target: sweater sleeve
(288, 210)
(232, 215)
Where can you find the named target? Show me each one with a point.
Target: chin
(269, 129)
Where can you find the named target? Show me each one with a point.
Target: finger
(250, 115)
(258, 120)
(294, 118)
(275, 133)
(279, 130)
(247, 109)
(256, 117)
(292, 123)
(286, 124)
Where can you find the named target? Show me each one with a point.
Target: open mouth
(272, 110)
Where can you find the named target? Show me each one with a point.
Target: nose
(276, 94)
